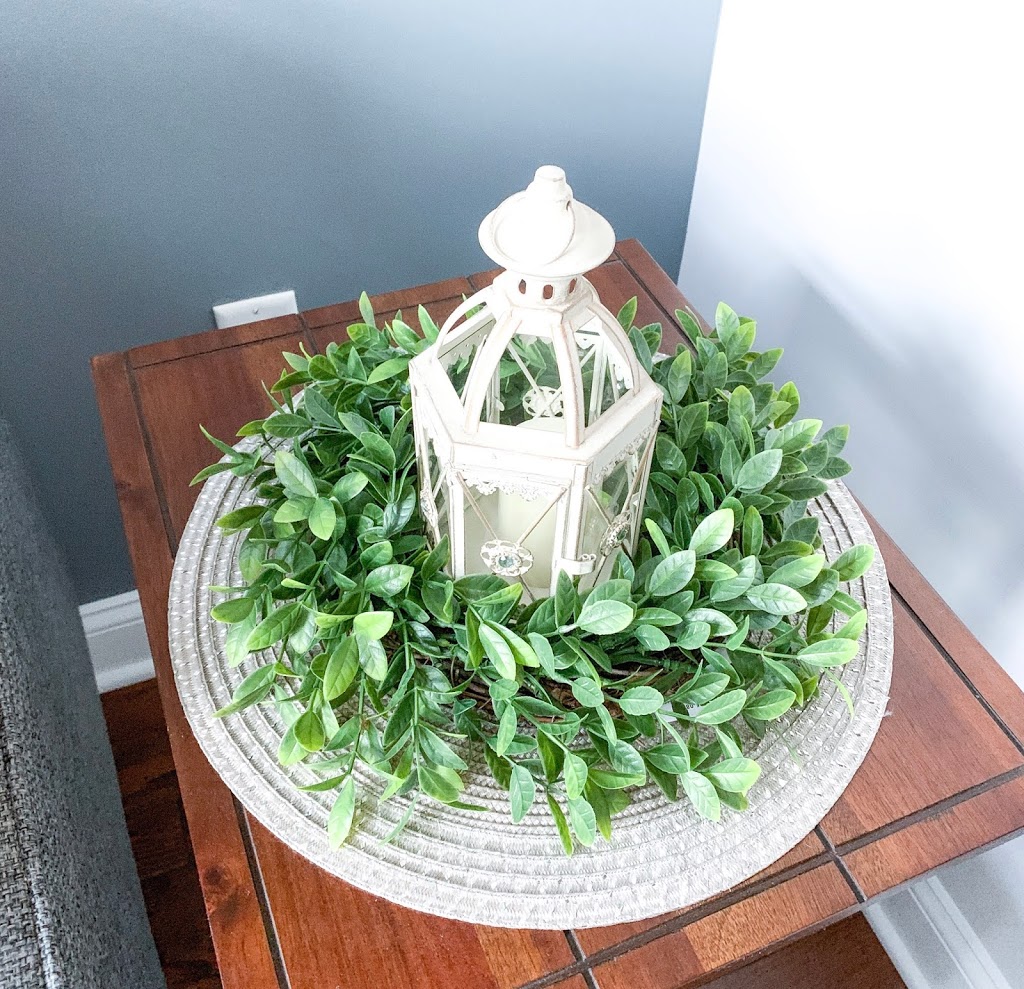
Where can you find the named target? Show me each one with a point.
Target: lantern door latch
(578, 568)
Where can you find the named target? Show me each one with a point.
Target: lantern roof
(542, 231)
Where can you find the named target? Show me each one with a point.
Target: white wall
(858, 192)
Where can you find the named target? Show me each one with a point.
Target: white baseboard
(116, 635)
(931, 942)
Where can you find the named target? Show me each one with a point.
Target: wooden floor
(846, 955)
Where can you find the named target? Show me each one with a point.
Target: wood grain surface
(845, 955)
(716, 940)
(953, 732)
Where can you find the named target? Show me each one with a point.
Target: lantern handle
(480, 298)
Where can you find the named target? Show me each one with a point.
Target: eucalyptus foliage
(668, 671)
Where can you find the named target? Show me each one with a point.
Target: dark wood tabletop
(944, 778)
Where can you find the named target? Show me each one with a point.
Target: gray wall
(158, 157)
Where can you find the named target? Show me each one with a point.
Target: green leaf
(366, 309)
(793, 436)
(241, 518)
(437, 750)
(651, 638)
(721, 709)
(550, 756)
(587, 692)
(854, 626)
(654, 530)
(233, 611)
(641, 700)
(348, 486)
(545, 656)
(388, 580)
(689, 325)
(669, 757)
(294, 475)
(798, 572)
(770, 705)
(388, 369)
(690, 423)
(341, 669)
(440, 782)
(498, 651)
(734, 775)
(673, 573)
(286, 424)
(713, 532)
(322, 519)
(835, 439)
(607, 779)
(583, 820)
(828, 652)
(731, 588)
(251, 690)
(854, 562)
(625, 758)
(294, 510)
(427, 324)
(309, 731)
(726, 321)
(373, 624)
(776, 599)
(753, 532)
(670, 457)
(679, 374)
(702, 688)
(575, 773)
(319, 408)
(339, 821)
(759, 470)
(522, 791)
(627, 314)
(229, 451)
(764, 363)
(702, 795)
(610, 590)
(378, 450)
(561, 824)
(693, 635)
(605, 617)
(273, 628)
(506, 729)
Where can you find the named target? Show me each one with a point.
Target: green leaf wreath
(718, 625)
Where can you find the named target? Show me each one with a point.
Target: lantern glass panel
(459, 353)
(606, 376)
(528, 389)
(512, 532)
(608, 515)
(434, 493)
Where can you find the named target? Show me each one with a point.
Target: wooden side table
(944, 778)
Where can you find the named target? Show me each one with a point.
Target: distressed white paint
(525, 498)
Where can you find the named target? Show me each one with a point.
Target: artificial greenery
(718, 625)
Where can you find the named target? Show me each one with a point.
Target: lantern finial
(543, 231)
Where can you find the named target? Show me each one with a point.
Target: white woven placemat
(479, 866)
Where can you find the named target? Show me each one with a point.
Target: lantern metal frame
(551, 465)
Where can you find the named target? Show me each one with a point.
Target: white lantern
(534, 421)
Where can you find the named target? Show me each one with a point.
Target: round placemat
(479, 866)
